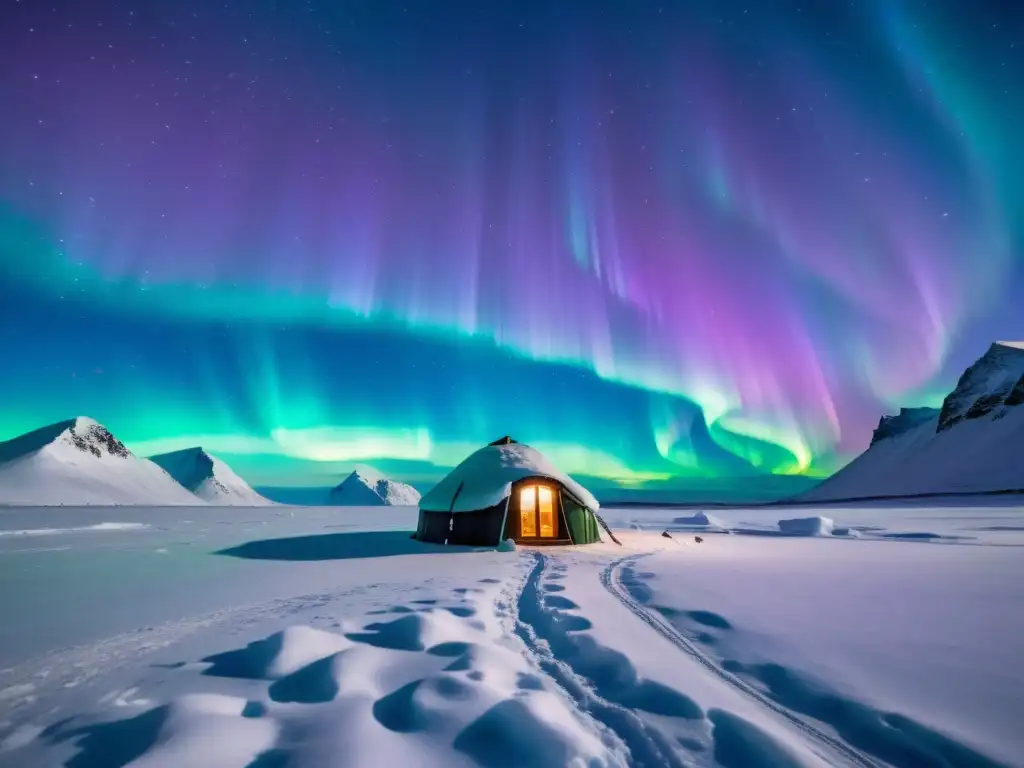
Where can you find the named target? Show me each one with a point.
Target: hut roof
(486, 477)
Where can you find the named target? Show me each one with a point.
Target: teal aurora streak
(661, 242)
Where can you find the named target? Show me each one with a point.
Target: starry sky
(664, 242)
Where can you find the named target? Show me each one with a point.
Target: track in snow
(548, 636)
(612, 582)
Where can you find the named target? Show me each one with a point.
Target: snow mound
(79, 462)
(415, 631)
(278, 655)
(700, 519)
(486, 476)
(426, 686)
(508, 545)
(366, 487)
(807, 526)
(203, 729)
(209, 478)
(323, 680)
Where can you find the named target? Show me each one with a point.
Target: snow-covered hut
(508, 490)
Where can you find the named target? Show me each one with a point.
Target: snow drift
(366, 487)
(209, 478)
(276, 656)
(80, 462)
(973, 444)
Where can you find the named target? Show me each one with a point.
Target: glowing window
(547, 511)
(528, 511)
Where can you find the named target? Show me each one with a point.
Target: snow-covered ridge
(208, 477)
(906, 420)
(366, 487)
(81, 433)
(994, 383)
(972, 445)
(79, 461)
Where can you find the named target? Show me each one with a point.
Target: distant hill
(79, 462)
(366, 487)
(209, 478)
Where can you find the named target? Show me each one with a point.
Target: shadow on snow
(340, 546)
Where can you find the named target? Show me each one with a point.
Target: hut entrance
(537, 512)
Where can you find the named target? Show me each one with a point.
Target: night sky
(701, 239)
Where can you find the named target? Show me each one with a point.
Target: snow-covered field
(278, 636)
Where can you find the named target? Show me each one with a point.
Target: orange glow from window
(547, 512)
(528, 512)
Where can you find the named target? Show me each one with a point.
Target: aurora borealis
(656, 240)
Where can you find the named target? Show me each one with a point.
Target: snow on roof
(487, 475)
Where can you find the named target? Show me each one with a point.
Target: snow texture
(485, 478)
(366, 487)
(80, 462)
(910, 652)
(209, 478)
(277, 656)
(326, 636)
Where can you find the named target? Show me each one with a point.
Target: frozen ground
(324, 636)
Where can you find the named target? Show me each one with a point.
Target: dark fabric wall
(582, 523)
(484, 528)
(478, 529)
(512, 521)
(433, 526)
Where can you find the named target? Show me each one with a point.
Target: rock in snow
(209, 478)
(80, 462)
(973, 445)
(366, 487)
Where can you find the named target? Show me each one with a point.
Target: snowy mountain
(974, 444)
(994, 384)
(209, 478)
(79, 462)
(366, 487)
